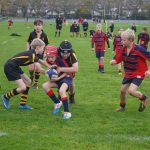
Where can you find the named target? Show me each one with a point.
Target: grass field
(94, 124)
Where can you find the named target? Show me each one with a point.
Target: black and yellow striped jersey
(25, 58)
(33, 35)
(71, 59)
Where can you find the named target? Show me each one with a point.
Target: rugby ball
(52, 73)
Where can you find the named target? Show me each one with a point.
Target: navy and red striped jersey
(99, 40)
(143, 39)
(60, 62)
(117, 44)
(135, 62)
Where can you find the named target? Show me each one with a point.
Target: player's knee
(44, 86)
(61, 92)
(29, 82)
(101, 58)
(23, 88)
(131, 91)
(123, 91)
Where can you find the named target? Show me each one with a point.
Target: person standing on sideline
(59, 22)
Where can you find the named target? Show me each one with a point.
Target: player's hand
(59, 69)
(53, 67)
(54, 79)
(92, 49)
(147, 73)
(113, 62)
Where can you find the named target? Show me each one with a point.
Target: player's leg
(98, 58)
(123, 90)
(101, 65)
(24, 94)
(119, 69)
(47, 87)
(6, 97)
(31, 71)
(59, 31)
(36, 75)
(56, 30)
(133, 90)
(72, 93)
(64, 99)
(13, 73)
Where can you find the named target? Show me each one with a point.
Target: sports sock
(11, 93)
(53, 97)
(65, 103)
(24, 95)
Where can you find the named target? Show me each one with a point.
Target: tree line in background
(112, 9)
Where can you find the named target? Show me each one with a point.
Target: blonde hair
(37, 42)
(129, 34)
(99, 25)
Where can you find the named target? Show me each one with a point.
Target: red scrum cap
(51, 50)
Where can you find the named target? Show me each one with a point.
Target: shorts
(136, 81)
(12, 71)
(144, 46)
(58, 27)
(100, 54)
(85, 29)
(66, 80)
(71, 29)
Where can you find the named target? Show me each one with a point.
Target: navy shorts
(136, 81)
(85, 29)
(144, 46)
(100, 54)
(66, 80)
(12, 71)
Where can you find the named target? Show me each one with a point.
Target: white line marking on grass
(129, 137)
(3, 134)
(4, 42)
(12, 39)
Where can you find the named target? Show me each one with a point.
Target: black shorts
(136, 81)
(58, 27)
(85, 29)
(66, 80)
(12, 71)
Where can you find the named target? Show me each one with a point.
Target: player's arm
(107, 40)
(114, 47)
(28, 46)
(147, 73)
(118, 58)
(138, 39)
(73, 69)
(29, 41)
(44, 63)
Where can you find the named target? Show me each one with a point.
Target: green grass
(94, 124)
